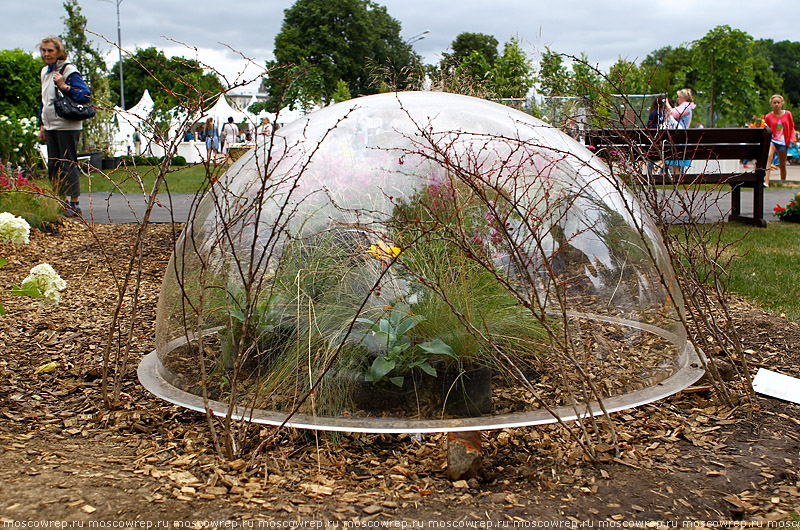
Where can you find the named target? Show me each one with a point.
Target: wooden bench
(655, 145)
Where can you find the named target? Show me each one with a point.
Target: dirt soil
(65, 456)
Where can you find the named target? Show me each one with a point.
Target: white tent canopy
(129, 122)
(222, 110)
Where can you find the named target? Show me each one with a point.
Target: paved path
(105, 208)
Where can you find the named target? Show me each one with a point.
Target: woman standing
(782, 125)
(212, 140)
(61, 135)
(680, 117)
(681, 114)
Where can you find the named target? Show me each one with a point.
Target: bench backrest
(688, 144)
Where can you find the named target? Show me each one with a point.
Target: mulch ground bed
(65, 456)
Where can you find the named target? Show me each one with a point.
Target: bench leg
(736, 200)
(758, 206)
(758, 202)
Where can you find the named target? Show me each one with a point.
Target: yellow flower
(383, 252)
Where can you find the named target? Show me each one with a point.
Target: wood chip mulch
(65, 456)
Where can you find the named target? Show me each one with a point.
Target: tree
(474, 68)
(554, 78)
(342, 93)
(323, 41)
(512, 72)
(771, 79)
(465, 44)
(171, 82)
(92, 67)
(669, 69)
(726, 76)
(20, 84)
(785, 63)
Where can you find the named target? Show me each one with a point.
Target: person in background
(212, 140)
(657, 117)
(61, 135)
(228, 137)
(781, 123)
(682, 112)
(265, 129)
(680, 117)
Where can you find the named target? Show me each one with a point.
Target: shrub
(152, 160)
(25, 199)
(18, 139)
(179, 160)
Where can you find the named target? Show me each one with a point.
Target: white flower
(44, 278)
(14, 229)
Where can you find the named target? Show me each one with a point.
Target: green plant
(791, 212)
(178, 160)
(252, 331)
(43, 283)
(400, 355)
(18, 139)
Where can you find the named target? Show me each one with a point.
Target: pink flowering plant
(791, 212)
(25, 198)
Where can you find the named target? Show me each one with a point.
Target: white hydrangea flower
(47, 281)
(14, 229)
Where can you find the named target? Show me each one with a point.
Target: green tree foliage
(80, 51)
(172, 82)
(323, 41)
(465, 44)
(554, 78)
(257, 107)
(89, 62)
(669, 69)
(785, 63)
(768, 78)
(474, 67)
(342, 93)
(724, 62)
(625, 77)
(512, 76)
(20, 84)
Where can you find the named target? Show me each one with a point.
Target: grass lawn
(188, 179)
(767, 269)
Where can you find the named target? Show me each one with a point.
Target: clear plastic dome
(418, 262)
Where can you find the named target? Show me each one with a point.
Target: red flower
(779, 208)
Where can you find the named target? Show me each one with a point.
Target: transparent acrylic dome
(418, 262)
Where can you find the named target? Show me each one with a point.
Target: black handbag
(69, 109)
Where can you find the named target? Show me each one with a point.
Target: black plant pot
(467, 392)
(91, 161)
(110, 163)
(383, 396)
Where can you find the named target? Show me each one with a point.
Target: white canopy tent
(222, 110)
(134, 122)
(129, 122)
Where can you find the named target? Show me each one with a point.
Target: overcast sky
(219, 33)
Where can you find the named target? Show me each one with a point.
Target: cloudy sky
(220, 33)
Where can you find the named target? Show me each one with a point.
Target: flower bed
(791, 213)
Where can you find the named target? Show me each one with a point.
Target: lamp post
(119, 49)
(418, 37)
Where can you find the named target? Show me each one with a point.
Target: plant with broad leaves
(400, 356)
